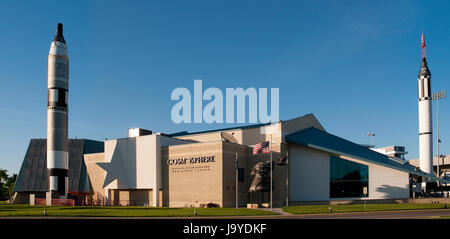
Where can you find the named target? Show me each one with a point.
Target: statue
(261, 180)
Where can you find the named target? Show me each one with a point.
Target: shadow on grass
(118, 208)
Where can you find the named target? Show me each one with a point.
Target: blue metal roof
(318, 139)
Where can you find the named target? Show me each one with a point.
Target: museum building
(220, 167)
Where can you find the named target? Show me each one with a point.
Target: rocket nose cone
(424, 71)
(59, 29)
(59, 33)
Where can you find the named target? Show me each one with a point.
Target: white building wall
(124, 151)
(140, 159)
(309, 174)
(384, 182)
(387, 183)
(146, 162)
(309, 177)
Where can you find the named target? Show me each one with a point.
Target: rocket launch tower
(57, 115)
(425, 123)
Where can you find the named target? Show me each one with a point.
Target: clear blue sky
(353, 64)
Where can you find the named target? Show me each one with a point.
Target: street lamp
(442, 158)
(436, 97)
(370, 139)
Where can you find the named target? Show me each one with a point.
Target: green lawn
(359, 208)
(8, 210)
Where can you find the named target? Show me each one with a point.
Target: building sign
(191, 164)
(193, 160)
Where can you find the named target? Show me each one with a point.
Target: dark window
(347, 179)
(241, 175)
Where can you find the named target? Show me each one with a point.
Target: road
(403, 214)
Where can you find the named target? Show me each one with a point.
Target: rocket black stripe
(60, 172)
(424, 98)
(61, 100)
(425, 133)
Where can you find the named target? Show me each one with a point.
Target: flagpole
(287, 179)
(237, 183)
(270, 145)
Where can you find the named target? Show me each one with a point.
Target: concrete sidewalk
(276, 210)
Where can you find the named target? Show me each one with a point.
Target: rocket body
(425, 123)
(57, 115)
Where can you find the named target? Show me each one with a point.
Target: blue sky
(353, 64)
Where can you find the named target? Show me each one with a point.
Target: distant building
(136, 132)
(444, 164)
(396, 153)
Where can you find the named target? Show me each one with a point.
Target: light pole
(287, 179)
(370, 139)
(436, 97)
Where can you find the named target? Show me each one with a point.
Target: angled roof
(33, 175)
(184, 133)
(321, 140)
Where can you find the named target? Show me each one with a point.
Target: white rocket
(57, 115)
(425, 110)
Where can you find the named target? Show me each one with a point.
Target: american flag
(261, 148)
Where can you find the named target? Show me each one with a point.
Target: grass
(18, 210)
(309, 209)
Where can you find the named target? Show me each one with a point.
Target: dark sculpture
(261, 181)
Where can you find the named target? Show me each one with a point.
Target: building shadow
(393, 192)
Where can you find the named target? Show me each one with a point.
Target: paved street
(406, 214)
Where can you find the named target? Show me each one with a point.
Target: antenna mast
(424, 49)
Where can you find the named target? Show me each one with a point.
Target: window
(347, 179)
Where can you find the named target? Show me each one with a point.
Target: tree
(10, 184)
(6, 184)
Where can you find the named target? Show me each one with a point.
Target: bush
(210, 205)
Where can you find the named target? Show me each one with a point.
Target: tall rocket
(425, 123)
(57, 115)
